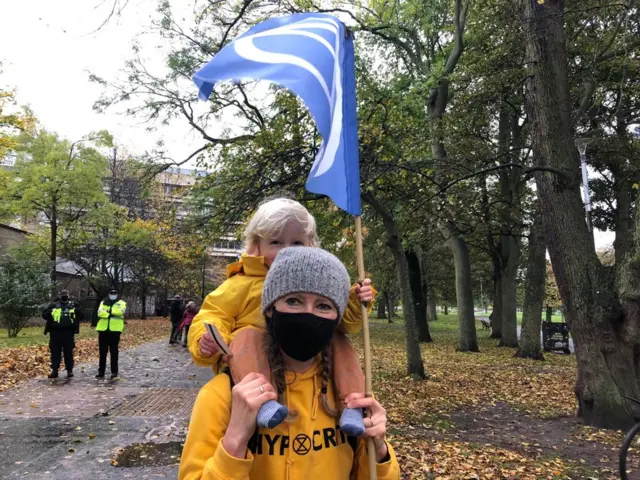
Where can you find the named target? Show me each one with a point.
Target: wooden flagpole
(371, 448)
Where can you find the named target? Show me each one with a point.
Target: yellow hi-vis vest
(111, 317)
(64, 317)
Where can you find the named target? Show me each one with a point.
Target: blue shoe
(271, 414)
(352, 422)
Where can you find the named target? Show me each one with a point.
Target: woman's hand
(207, 346)
(375, 424)
(365, 291)
(246, 398)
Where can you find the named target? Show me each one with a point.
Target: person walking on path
(110, 326)
(176, 314)
(63, 322)
(190, 311)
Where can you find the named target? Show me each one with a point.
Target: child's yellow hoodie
(236, 304)
(309, 446)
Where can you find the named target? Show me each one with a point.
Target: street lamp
(582, 143)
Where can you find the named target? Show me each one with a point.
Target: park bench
(555, 336)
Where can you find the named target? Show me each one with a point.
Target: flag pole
(371, 448)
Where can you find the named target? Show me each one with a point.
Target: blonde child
(234, 308)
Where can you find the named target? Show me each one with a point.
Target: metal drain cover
(158, 402)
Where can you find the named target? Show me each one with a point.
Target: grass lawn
(34, 336)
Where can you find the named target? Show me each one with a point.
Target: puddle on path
(148, 455)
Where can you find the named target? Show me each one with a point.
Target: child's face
(307, 303)
(292, 235)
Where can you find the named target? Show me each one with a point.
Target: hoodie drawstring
(316, 394)
(289, 461)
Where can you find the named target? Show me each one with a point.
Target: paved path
(75, 429)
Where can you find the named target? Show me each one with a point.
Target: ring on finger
(261, 389)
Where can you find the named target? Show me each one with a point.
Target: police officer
(63, 322)
(110, 326)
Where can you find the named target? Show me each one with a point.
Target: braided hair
(274, 356)
(327, 376)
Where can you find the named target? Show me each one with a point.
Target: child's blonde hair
(273, 216)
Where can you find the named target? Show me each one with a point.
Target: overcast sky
(47, 50)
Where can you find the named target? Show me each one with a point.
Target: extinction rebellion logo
(301, 444)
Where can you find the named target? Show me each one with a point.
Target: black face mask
(301, 335)
(64, 298)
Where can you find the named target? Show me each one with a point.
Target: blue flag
(312, 55)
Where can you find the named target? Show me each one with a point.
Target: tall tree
(13, 122)
(603, 320)
(57, 182)
(529, 346)
(419, 301)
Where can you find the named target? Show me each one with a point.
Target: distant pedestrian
(63, 322)
(190, 311)
(110, 326)
(176, 313)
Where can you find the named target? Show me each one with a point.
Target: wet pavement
(84, 428)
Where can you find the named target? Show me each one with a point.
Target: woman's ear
(269, 312)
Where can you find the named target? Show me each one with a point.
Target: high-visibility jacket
(111, 317)
(64, 315)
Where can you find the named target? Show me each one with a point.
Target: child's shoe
(352, 422)
(271, 414)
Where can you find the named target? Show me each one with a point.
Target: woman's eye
(298, 243)
(275, 242)
(293, 301)
(325, 306)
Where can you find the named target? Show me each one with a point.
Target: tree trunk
(432, 313)
(467, 338)
(143, 302)
(415, 367)
(382, 306)
(54, 253)
(534, 293)
(446, 309)
(510, 256)
(623, 188)
(391, 308)
(604, 330)
(418, 305)
(496, 314)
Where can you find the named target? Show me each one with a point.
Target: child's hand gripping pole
(371, 449)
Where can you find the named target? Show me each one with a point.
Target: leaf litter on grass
(471, 382)
(21, 363)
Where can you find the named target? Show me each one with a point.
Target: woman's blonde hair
(273, 216)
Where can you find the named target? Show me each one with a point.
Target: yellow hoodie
(309, 446)
(236, 304)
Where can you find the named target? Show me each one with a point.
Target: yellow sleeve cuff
(389, 470)
(225, 467)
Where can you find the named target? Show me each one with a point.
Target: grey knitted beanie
(309, 270)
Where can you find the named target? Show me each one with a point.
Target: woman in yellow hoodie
(304, 300)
